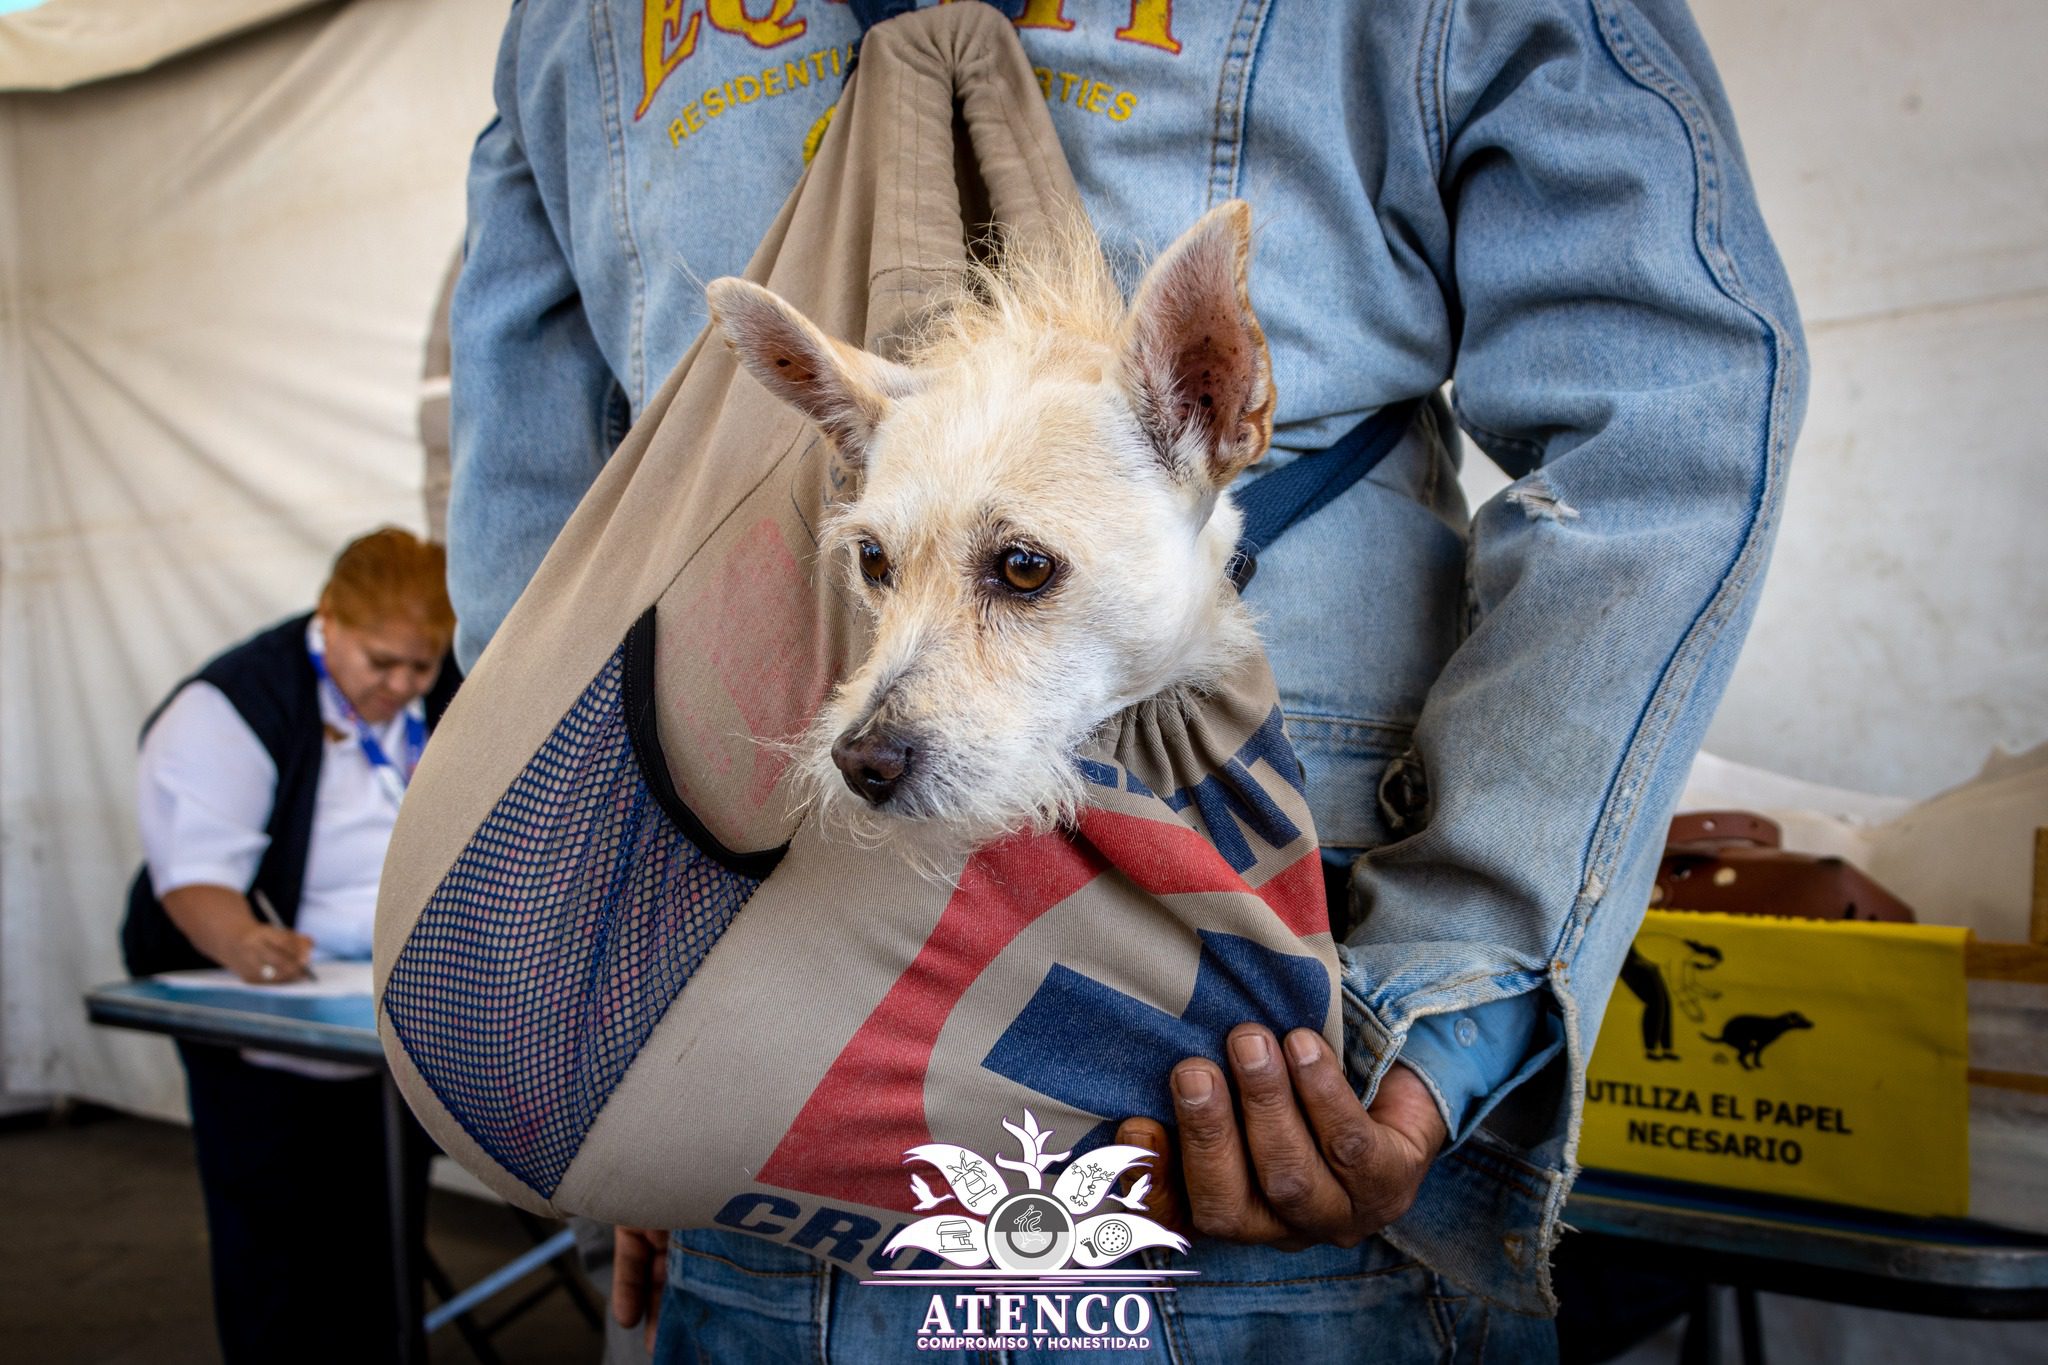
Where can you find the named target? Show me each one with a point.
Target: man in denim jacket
(1542, 201)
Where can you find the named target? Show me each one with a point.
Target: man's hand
(639, 1274)
(1310, 1165)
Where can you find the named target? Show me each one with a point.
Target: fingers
(1222, 1200)
(629, 1276)
(1371, 1165)
(1405, 1108)
(1307, 1164)
(657, 1284)
(639, 1272)
(1343, 1130)
(268, 956)
(1289, 1162)
(285, 953)
(1162, 1203)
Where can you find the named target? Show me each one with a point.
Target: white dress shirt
(205, 786)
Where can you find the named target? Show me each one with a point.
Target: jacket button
(1404, 794)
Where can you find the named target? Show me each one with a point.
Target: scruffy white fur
(1037, 413)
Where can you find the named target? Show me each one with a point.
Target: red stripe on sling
(849, 1139)
(1169, 859)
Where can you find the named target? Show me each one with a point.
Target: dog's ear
(1193, 357)
(842, 388)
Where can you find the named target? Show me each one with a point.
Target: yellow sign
(1823, 1060)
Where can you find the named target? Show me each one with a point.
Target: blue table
(1759, 1243)
(334, 1029)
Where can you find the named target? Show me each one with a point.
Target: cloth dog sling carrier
(620, 974)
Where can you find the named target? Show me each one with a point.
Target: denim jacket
(1542, 202)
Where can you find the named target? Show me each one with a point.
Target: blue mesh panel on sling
(556, 942)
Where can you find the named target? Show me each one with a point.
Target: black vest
(270, 682)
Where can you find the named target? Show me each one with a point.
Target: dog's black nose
(873, 763)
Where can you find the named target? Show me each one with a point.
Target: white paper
(334, 979)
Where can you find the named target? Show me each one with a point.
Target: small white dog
(1037, 523)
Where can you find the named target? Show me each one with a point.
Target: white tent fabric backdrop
(64, 43)
(216, 280)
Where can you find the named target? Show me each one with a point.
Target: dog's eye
(874, 562)
(1025, 570)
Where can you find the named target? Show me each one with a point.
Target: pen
(269, 912)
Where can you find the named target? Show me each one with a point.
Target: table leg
(1750, 1324)
(473, 1334)
(567, 1268)
(1701, 1344)
(412, 1338)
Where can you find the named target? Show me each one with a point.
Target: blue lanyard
(415, 729)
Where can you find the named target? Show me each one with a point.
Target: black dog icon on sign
(1750, 1034)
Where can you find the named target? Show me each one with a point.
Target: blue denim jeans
(732, 1299)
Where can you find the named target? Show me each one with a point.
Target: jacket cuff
(1488, 1213)
(1470, 1058)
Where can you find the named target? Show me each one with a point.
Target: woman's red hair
(391, 575)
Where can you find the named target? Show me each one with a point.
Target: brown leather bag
(1730, 861)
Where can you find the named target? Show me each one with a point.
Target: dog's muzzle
(873, 762)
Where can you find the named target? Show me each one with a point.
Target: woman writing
(267, 789)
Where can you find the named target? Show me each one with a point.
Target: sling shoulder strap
(1273, 502)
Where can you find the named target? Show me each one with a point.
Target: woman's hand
(221, 924)
(266, 955)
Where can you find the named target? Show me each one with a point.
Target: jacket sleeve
(1629, 350)
(533, 404)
